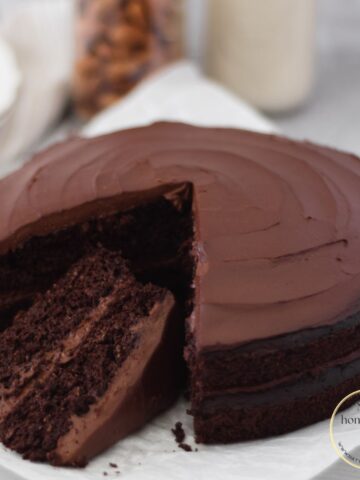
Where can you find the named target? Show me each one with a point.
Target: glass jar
(119, 43)
(263, 50)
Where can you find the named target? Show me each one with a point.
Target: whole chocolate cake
(256, 237)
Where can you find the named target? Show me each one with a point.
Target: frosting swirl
(277, 222)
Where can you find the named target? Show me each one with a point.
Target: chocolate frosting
(277, 222)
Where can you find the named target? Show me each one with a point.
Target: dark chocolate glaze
(277, 222)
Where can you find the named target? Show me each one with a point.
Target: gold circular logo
(342, 424)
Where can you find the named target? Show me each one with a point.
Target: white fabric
(179, 93)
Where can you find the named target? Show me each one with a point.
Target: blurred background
(297, 62)
(331, 113)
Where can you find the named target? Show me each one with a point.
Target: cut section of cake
(92, 360)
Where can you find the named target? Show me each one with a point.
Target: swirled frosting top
(277, 221)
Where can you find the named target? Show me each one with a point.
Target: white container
(263, 50)
(10, 79)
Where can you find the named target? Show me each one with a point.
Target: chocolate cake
(256, 238)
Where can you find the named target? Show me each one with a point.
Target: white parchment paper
(180, 93)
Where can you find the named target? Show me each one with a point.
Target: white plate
(10, 78)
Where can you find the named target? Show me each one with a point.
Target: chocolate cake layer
(266, 360)
(84, 363)
(35, 267)
(156, 239)
(37, 336)
(276, 409)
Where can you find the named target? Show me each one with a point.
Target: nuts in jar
(119, 42)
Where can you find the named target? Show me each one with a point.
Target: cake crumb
(113, 465)
(178, 432)
(185, 447)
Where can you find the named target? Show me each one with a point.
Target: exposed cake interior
(94, 297)
(156, 239)
(70, 348)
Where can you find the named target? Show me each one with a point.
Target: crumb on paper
(185, 447)
(178, 432)
(180, 435)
